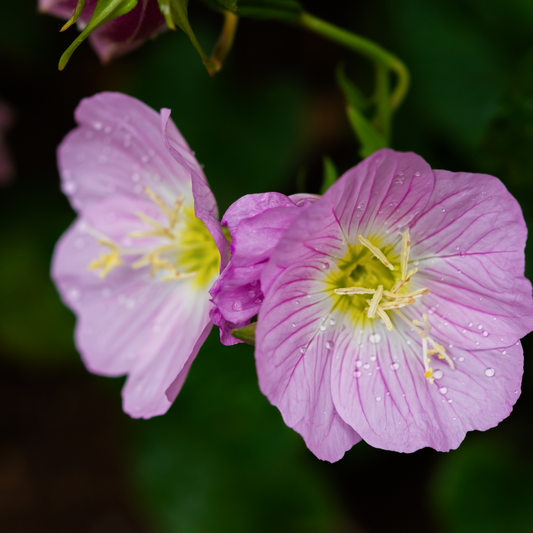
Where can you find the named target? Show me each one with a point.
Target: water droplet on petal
(375, 338)
(461, 359)
(330, 345)
(325, 266)
(366, 366)
(357, 374)
(70, 187)
(297, 302)
(444, 210)
(417, 173)
(378, 398)
(359, 363)
(332, 321)
(97, 125)
(480, 327)
(395, 366)
(303, 350)
(504, 353)
(463, 254)
(490, 372)
(485, 334)
(251, 294)
(470, 324)
(257, 301)
(322, 327)
(74, 295)
(237, 305)
(293, 324)
(443, 390)
(438, 374)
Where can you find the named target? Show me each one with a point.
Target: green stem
(363, 46)
(383, 100)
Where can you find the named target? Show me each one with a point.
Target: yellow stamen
(385, 317)
(107, 262)
(173, 218)
(403, 302)
(159, 201)
(354, 290)
(414, 294)
(376, 251)
(406, 246)
(375, 301)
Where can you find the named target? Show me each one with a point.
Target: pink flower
(118, 36)
(255, 223)
(137, 264)
(393, 309)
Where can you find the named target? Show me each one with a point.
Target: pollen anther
(376, 251)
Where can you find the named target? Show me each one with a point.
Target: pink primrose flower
(394, 308)
(137, 264)
(255, 223)
(118, 36)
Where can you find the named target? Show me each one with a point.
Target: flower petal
(382, 194)
(129, 323)
(469, 248)
(292, 355)
(379, 388)
(118, 148)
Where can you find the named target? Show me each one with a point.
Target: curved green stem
(363, 46)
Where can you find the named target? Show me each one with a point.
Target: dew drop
(98, 125)
(293, 324)
(253, 283)
(357, 374)
(480, 326)
(394, 366)
(438, 374)
(375, 338)
(461, 359)
(477, 343)
(463, 254)
(485, 334)
(450, 400)
(330, 345)
(489, 372)
(443, 390)
(325, 266)
(470, 324)
(322, 327)
(366, 366)
(359, 363)
(70, 187)
(464, 330)
(378, 398)
(297, 302)
(504, 353)
(251, 294)
(444, 210)
(417, 173)
(237, 305)
(303, 350)
(257, 301)
(332, 321)
(74, 295)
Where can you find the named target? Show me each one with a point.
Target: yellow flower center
(377, 279)
(183, 247)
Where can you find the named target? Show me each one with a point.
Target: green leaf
(352, 93)
(75, 15)
(178, 10)
(104, 11)
(371, 140)
(330, 174)
(246, 334)
(270, 9)
(164, 6)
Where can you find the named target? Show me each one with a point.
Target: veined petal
(118, 149)
(382, 194)
(469, 246)
(128, 323)
(379, 388)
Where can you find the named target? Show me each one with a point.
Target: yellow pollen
(376, 251)
(428, 373)
(159, 201)
(107, 262)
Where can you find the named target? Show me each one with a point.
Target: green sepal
(270, 9)
(352, 93)
(246, 334)
(370, 138)
(164, 7)
(178, 10)
(104, 11)
(75, 15)
(330, 174)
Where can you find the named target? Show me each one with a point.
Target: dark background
(222, 460)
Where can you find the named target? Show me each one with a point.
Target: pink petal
(469, 248)
(379, 388)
